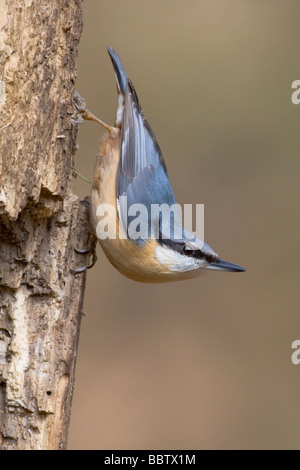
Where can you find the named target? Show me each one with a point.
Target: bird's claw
(80, 105)
(85, 251)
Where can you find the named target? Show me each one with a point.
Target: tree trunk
(40, 222)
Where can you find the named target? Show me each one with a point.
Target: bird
(130, 167)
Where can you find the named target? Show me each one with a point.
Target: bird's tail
(121, 78)
(119, 70)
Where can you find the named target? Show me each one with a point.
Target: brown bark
(40, 222)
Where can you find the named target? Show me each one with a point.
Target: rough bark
(40, 222)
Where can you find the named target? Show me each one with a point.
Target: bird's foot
(82, 113)
(91, 251)
(83, 251)
(80, 108)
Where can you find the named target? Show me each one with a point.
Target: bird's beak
(222, 265)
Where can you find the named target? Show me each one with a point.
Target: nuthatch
(131, 164)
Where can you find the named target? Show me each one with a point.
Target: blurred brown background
(205, 363)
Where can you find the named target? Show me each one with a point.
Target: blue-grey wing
(142, 174)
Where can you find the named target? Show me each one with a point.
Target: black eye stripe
(198, 254)
(181, 248)
(193, 253)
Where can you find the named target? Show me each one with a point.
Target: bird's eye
(188, 251)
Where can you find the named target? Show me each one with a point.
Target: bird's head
(190, 257)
